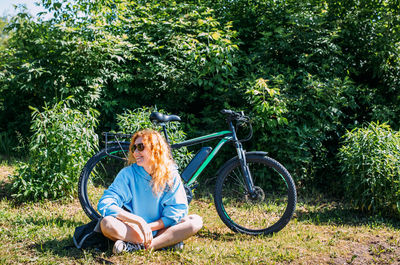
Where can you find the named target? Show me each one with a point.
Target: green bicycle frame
(225, 135)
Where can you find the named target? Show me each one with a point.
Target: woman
(146, 205)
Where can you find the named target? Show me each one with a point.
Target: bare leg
(189, 226)
(114, 229)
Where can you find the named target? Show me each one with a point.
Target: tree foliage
(119, 55)
(307, 71)
(335, 65)
(3, 35)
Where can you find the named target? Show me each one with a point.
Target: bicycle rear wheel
(98, 173)
(274, 204)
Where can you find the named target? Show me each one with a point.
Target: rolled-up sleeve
(114, 197)
(174, 203)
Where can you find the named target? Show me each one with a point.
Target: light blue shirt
(132, 188)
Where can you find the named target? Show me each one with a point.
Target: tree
(307, 71)
(335, 65)
(3, 34)
(116, 56)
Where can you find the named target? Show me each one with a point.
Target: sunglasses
(139, 147)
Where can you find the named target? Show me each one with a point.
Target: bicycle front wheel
(97, 175)
(272, 207)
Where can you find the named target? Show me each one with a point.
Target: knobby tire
(274, 205)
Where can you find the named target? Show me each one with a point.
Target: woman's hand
(139, 222)
(147, 233)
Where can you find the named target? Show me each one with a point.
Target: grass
(321, 232)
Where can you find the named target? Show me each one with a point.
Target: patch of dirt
(375, 250)
(4, 172)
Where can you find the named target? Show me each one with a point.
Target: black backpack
(90, 236)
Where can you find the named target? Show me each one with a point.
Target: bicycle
(254, 194)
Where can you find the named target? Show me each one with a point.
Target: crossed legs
(115, 229)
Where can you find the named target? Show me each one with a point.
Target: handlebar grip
(233, 114)
(238, 116)
(226, 111)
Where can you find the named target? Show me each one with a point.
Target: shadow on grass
(216, 236)
(342, 215)
(66, 248)
(42, 222)
(61, 247)
(5, 190)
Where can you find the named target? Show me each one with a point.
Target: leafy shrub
(333, 64)
(134, 120)
(54, 62)
(369, 160)
(63, 140)
(301, 126)
(267, 104)
(105, 54)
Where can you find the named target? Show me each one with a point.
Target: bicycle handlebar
(238, 116)
(241, 119)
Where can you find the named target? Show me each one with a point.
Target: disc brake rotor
(260, 195)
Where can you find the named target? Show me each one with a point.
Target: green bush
(331, 62)
(330, 65)
(134, 120)
(117, 55)
(301, 127)
(369, 160)
(63, 140)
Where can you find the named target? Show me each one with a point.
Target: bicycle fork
(248, 179)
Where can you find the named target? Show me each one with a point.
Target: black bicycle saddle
(159, 117)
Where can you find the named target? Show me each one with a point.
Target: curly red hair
(162, 164)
